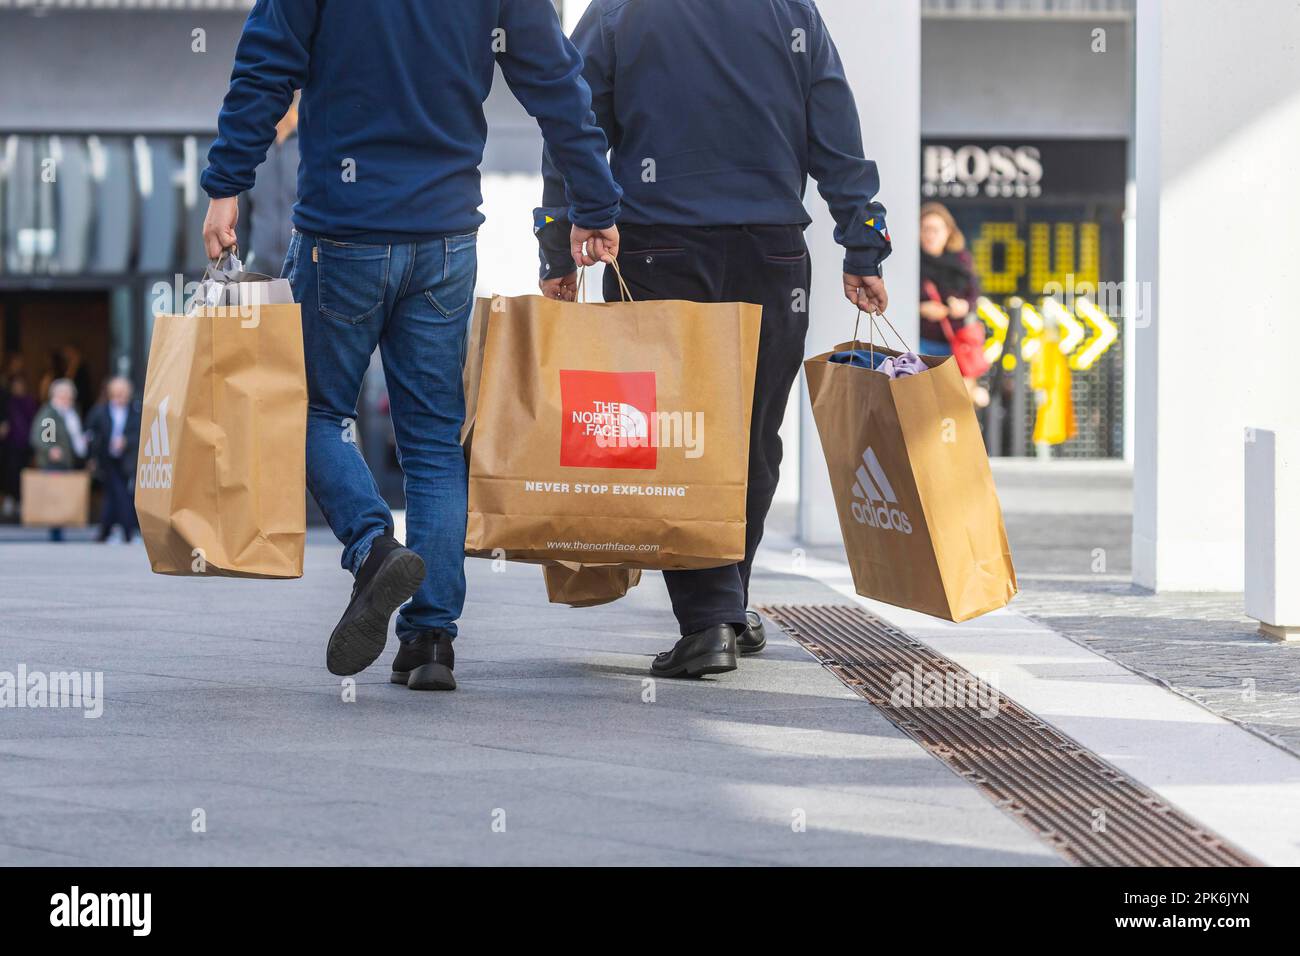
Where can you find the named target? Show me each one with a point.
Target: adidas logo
(156, 469)
(876, 504)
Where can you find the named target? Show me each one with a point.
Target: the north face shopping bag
(613, 434)
(917, 506)
(221, 485)
(582, 585)
(568, 583)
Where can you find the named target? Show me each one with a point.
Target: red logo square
(607, 419)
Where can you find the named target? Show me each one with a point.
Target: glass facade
(87, 214)
(100, 206)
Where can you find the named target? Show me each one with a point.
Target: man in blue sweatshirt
(717, 112)
(383, 255)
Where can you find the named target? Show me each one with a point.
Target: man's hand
(866, 292)
(564, 289)
(601, 245)
(219, 226)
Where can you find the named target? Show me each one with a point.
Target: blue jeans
(413, 301)
(931, 347)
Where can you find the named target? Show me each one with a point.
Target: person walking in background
(57, 437)
(66, 362)
(717, 112)
(15, 440)
(392, 133)
(270, 201)
(948, 287)
(113, 427)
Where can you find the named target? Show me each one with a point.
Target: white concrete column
(880, 43)
(1217, 136)
(1273, 532)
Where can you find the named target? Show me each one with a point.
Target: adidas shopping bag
(221, 483)
(917, 507)
(613, 434)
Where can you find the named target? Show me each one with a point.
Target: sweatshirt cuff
(598, 218)
(551, 226)
(216, 186)
(864, 262)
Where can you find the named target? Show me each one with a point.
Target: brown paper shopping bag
(613, 434)
(473, 374)
(221, 485)
(573, 584)
(55, 499)
(918, 510)
(580, 585)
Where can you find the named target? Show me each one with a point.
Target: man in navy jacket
(717, 112)
(383, 255)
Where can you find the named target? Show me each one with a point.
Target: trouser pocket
(351, 279)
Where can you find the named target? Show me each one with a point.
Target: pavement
(219, 716)
(224, 741)
(1070, 528)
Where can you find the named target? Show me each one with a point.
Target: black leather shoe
(710, 651)
(426, 662)
(754, 638)
(387, 579)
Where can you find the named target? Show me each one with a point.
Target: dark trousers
(119, 508)
(764, 265)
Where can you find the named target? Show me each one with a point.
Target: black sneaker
(387, 579)
(426, 662)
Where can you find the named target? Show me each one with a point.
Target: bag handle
(222, 271)
(871, 344)
(624, 292)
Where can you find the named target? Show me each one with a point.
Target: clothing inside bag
(861, 358)
(895, 366)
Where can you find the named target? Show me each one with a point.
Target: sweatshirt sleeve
(544, 71)
(551, 220)
(271, 61)
(845, 178)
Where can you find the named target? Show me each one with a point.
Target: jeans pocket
(351, 279)
(289, 270)
(454, 293)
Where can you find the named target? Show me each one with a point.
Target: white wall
(572, 11)
(880, 43)
(1218, 133)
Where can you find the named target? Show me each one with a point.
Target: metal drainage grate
(1090, 812)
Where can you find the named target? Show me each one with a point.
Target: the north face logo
(877, 503)
(606, 420)
(156, 468)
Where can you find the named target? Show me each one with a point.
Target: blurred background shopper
(392, 131)
(57, 437)
(15, 440)
(717, 112)
(947, 278)
(114, 429)
(948, 287)
(270, 201)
